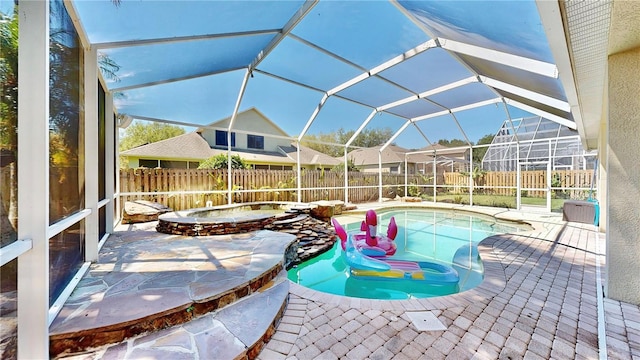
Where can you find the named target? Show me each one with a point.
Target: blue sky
(357, 35)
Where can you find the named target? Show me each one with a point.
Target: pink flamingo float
(366, 254)
(368, 241)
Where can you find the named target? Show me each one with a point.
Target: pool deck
(539, 300)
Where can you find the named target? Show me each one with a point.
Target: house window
(221, 138)
(255, 142)
(171, 164)
(151, 164)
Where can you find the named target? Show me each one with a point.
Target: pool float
(368, 241)
(363, 266)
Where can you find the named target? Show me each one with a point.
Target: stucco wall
(623, 152)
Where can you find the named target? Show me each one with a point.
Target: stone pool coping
(184, 223)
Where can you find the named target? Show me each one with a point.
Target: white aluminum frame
(33, 179)
(91, 152)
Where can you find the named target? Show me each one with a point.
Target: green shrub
(220, 162)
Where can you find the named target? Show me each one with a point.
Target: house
(418, 161)
(446, 159)
(368, 159)
(256, 139)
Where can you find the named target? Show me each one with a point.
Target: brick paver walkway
(539, 303)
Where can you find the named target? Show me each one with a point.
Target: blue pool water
(423, 235)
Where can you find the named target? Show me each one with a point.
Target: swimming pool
(423, 235)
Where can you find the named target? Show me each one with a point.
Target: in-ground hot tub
(228, 219)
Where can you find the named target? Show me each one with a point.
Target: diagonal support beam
(167, 81)
(393, 138)
(359, 130)
(178, 39)
(288, 27)
(315, 113)
(427, 93)
(516, 90)
(453, 85)
(555, 118)
(458, 109)
(386, 65)
(500, 57)
(422, 133)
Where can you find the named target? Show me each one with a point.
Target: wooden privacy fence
(505, 182)
(190, 188)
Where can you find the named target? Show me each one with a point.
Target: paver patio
(539, 300)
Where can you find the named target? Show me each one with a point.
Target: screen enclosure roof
(417, 67)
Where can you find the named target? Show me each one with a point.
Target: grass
(496, 200)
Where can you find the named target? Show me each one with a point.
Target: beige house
(417, 161)
(446, 159)
(367, 159)
(256, 139)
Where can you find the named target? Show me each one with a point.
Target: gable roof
(192, 146)
(222, 122)
(369, 156)
(441, 151)
(309, 156)
(186, 146)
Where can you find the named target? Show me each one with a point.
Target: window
(102, 143)
(151, 164)
(66, 148)
(66, 137)
(221, 138)
(169, 164)
(255, 142)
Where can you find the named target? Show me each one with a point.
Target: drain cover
(425, 321)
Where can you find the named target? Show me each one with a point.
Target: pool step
(237, 331)
(156, 283)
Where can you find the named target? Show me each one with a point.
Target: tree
(139, 133)
(350, 166)
(9, 81)
(367, 138)
(453, 142)
(220, 162)
(478, 154)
